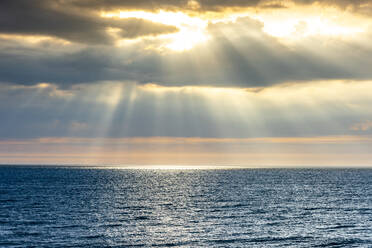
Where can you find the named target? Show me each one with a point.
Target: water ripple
(61, 207)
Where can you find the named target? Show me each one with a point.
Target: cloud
(362, 126)
(114, 109)
(237, 54)
(67, 71)
(211, 5)
(51, 18)
(163, 4)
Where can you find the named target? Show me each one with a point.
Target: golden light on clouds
(293, 23)
(244, 78)
(191, 29)
(35, 39)
(298, 22)
(287, 24)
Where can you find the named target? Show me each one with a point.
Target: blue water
(64, 207)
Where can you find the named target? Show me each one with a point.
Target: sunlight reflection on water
(59, 207)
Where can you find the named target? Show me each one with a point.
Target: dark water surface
(61, 207)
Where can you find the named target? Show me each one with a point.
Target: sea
(96, 207)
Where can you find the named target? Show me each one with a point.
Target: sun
(186, 39)
(192, 30)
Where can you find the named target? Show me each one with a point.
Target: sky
(255, 83)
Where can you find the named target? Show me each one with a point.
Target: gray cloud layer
(209, 5)
(238, 54)
(53, 18)
(79, 21)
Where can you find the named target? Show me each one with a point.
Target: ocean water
(81, 207)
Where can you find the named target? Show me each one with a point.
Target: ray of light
(226, 114)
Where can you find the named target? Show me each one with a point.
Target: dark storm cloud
(53, 18)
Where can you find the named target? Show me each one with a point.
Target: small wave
(9, 243)
(8, 200)
(261, 240)
(228, 241)
(141, 218)
(342, 226)
(336, 227)
(239, 205)
(24, 234)
(67, 226)
(135, 208)
(174, 244)
(320, 208)
(341, 243)
(111, 225)
(97, 236)
(34, 223)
